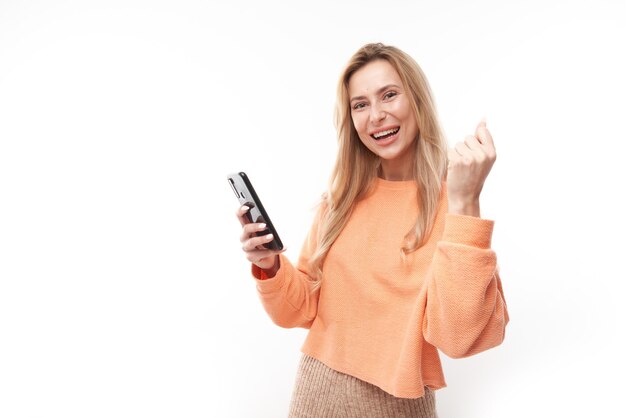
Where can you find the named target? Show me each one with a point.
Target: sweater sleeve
(287, 297)
(466, 311)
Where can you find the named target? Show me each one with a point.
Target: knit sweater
(382, 317)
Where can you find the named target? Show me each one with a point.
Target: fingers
(472, 143)
(469, 144)
(250, 229)
(253, 242)
(482, 126)
(483, 135)
(241, 213)
(256, 242)
(251, 239)
(468, 153)
(480, 145)
(470, 148)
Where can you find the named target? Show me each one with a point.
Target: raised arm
(466, 311)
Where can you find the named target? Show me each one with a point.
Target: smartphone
(242, 187)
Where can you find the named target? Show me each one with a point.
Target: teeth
(385, 133)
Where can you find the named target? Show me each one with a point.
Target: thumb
(481, 125)
(482, 133)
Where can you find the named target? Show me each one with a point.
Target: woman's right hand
(252, 245)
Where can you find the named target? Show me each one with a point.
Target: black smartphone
(242, 187)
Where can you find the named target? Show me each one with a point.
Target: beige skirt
(322, 392)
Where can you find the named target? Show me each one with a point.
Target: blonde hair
(356, 166)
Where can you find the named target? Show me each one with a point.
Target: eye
(389, 95)
(358, 105)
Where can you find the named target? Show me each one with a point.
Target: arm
(466, 311)
(285, 289)
(465, 308)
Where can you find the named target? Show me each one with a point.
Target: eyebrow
(380, 90)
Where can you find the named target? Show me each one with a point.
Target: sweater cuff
(258, 272)
(468, 230)
(266, 284)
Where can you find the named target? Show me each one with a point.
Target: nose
(377, 114)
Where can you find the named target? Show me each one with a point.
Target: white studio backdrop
(123, 288)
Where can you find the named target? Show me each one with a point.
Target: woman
(398, 263)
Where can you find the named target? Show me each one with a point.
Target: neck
(395, 170)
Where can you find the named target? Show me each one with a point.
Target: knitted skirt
(322, 392)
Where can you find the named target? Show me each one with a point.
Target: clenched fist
(469, 163)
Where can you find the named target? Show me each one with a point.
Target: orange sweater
(381, 318)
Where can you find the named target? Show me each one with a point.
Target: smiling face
(383, 117)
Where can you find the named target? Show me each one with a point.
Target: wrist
(271, 272)
(467, 207)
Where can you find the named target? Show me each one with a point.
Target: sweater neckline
(395, 185)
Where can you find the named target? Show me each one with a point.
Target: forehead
(372, 76)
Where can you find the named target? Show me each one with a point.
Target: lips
(385, 133)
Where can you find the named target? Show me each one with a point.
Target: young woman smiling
(398, 264)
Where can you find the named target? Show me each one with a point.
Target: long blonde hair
(356, 166)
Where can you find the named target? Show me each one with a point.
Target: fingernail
(269, 237)
(262, 227)
(245, 208)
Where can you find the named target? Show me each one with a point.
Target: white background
(123, 289)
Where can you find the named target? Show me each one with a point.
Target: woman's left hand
(469, 163)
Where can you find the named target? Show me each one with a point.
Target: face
(383, 117)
